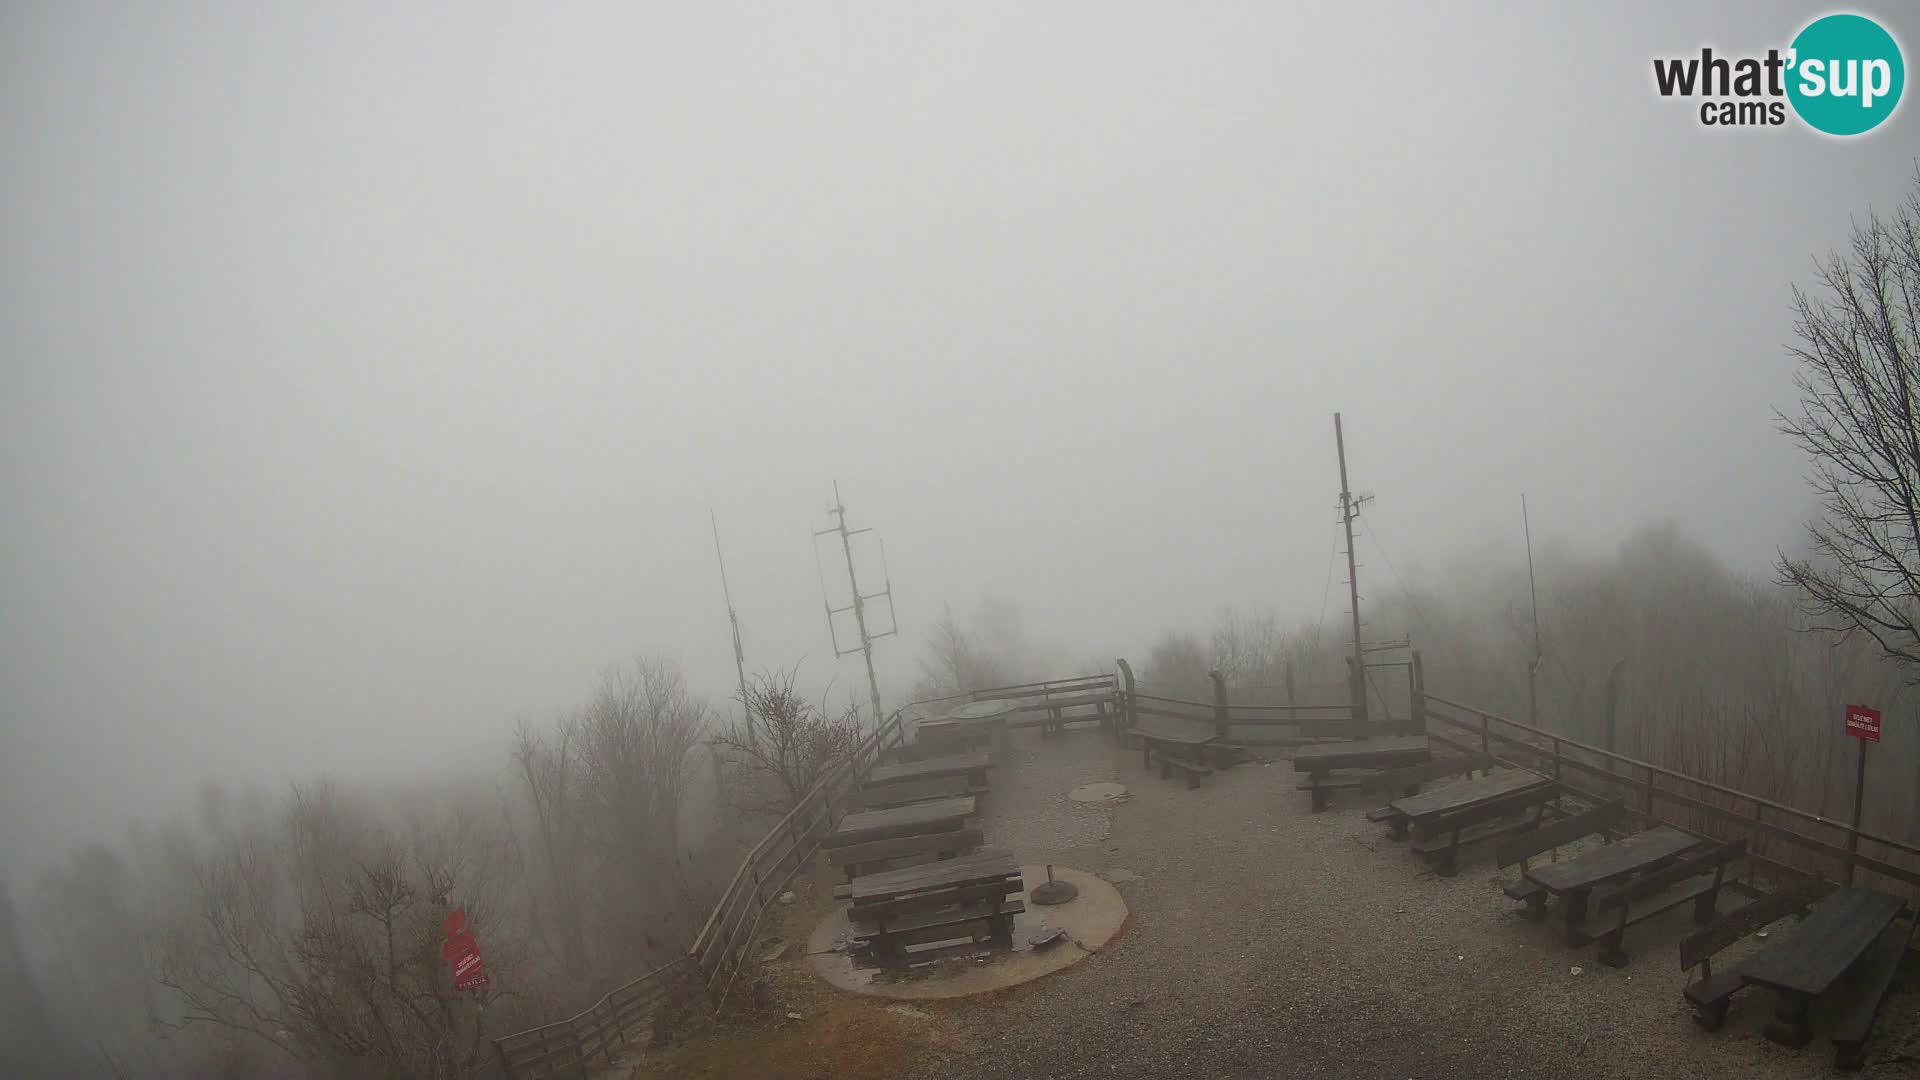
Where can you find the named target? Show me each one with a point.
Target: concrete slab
(1090, 919)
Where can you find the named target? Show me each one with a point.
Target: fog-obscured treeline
(299, 930)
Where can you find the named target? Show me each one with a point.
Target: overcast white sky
(367, 371)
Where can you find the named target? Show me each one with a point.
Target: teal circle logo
(1846, 74)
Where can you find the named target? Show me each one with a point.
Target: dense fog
(371, 376)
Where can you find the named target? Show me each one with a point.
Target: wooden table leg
(1575, 903)
(1790, 1026)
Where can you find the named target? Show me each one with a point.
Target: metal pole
(739, 654)
(1347, 513)
(859, 604)
(1859, 799)
(1533, 666)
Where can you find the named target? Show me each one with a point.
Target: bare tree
(1177, 664)
(548, 769)
(635, 738)
(1859, 350)
(794, 746)
(317, 937)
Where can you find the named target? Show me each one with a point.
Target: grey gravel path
(1267, 941)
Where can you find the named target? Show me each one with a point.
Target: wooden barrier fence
(589, 1039)
(1788, 839)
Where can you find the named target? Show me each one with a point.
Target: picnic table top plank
(1162, 729)
(1464, 793)
(1618, 859)
(989, 864)
(1358, 753)
(1835, 934)
(924, 813)
(944, 765)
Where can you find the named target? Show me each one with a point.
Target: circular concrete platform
(1090, 919)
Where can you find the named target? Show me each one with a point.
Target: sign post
(462, 952)
(1863, 724)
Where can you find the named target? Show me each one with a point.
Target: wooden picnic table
(1574, 880)
(940, 815)
(1385, 752)
(895, 911)
(1192, 741)
(1357, 760)
(1809, 959)
(973, 766)
(982, 865)
(1413, 810)
(989, 717)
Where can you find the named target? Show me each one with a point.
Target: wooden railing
(768, 868)
(1787, 838)
(588, 1040)
(1032, 700)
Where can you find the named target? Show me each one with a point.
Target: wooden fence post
(1222, 721)
(1486, 743)
(1417, 712)
(579, 1051)
(1128, 716)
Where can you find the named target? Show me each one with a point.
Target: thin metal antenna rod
(1350, 509)
(739, 653)
(1533, 666)
(859, 604)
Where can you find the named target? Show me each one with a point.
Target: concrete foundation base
(1090, 919)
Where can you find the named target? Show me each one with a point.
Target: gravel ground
(1267, 941)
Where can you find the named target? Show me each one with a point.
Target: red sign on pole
(1863, 723)
(462, 952)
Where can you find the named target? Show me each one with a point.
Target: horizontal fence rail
(588, 1039)
(1788, 838)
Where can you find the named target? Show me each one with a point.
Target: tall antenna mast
(859, 604)
(1533, 666)
(739, 654)
(1350, 509)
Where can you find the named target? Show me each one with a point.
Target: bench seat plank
(1862, 992)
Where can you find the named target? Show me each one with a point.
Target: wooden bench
(1171, 763)
(1697, 879)
(1056, 719)
(1712, 993)
(1858, 997)
(1519, 849)
(857, 859)
(1444, 835)
(1393, 783)
(1323, 784)
(900, 793)
(897, 914)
